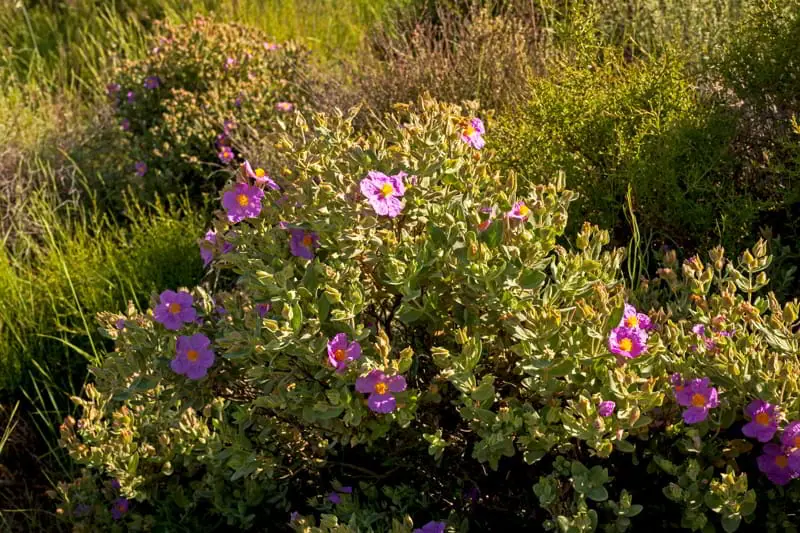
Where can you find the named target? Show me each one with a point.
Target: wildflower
(230, 62)
(699, 396)
(379, 387)
(627, 342)
(119, 508)
(206, 250)
(631, 318)
(302, 243)
(791, 435)
(174, 309)
(228, 126)
(606, 408)
(141, 168)
(294, 517)
(284, 107)
(222, 140)
(259, 176)
(120, 324)
(472, 134)
(340, 352)
(699, 330)
(519, 211)
(194, 356)
(774, 462)
(243, 201)
(270, 46)
(384, 192)
(263, 309)
(763, 420)
(432, 527)
(115, 484)
(336, 498)
(125, 124)
(676, 380)
(131, 97)
(225, 154)
(82, 509)
(152, 82)
(112, 89)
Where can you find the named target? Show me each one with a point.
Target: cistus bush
(411, 344)
(202, 86)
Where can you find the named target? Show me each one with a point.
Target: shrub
(202, 86)
(407, 341)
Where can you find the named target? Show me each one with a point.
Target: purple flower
(519, 211)
(263, 309)
(472, 134)
(222, 140)
(340, 352)
(606, 408)
(82, 509)
(790, 437)
(294, 517)
(699, 396)
(125, 124)
(699, 330)
(432, 527)
(379, 386)
(334, 498)
(631, 318)
(174, 309)
(260, 176)
(384, 192)
(131, 97)
(205, 250)
(627, 342)
(115, 484)
(774, 462)
(270, 46)
(763, 420)
(228, 126)
(225, 154)
(119, 508)
(112, 89)
(302, 243)
(141, 168)
(194, 356)
(345, 489)
(284, 107)
(152, 82)
(243, 201)
(120, 324)
(230, 62)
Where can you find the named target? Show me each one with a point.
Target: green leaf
(297, 318)
(323, 307)
(408, 314)
(731, 523)
(598, 494)
(483, 393)
(532, 279)
(633, 510)
(493, 236)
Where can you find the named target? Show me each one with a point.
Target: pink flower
(243, 201)
(259, 176)
(472, 134)
(302, 243)
(340, 352)
(384, 192)
(763, 420)
(284, 107)
(141, 168)
(380, 388)
(194, 356)
(775, 463)
(606, 408)
(225, 154)
(631, 318)
(627, 342)
(699, 396)
(519, 211)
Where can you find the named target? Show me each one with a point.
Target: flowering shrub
(385, 360)
(183, 109)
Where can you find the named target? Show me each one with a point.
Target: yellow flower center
(782, 461)
(626, 345)
(191, 355)
(381, 388)
(242, 200)
(469, 131)
(797, 441)
(632, 321)
(387, 190)
(259, 172)
(678, 388)
(339, 355)
(762, 419)
(121, 507)
(174, 308)
(698, 400)
(308, 240)
(523, 210)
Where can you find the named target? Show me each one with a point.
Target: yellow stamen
(762, 419)
(782, 461)
(523, 210)
(698, 400)
(632, 321)
(626, 345)
(174, 308)
(308, 240)
(797, 442)
(191, 355)
(339, 355)
(387, 189)
(469, 131)
(242, 200)
(381, 388)
(259, 172)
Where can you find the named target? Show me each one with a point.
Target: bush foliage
(509, 340)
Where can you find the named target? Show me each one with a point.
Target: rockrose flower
(790, 437)
(259, 176)
(174, 310)
(270, 46)
(627, 342)
(676, 380)
(284, 107)
(262, 309)
(432, 527)
(519, 211)
(384, 192)
(699, 396)
(631, 318)
(131, 97)
(225, 154)
(340, 352)
(472, 134)
(302, 243)
(380, 387)
(119, 508)
(152, 82)
(763, 420)
(243, 201)
(112, 89)
(194, 356)
(774, 462)
(606, 408)
(336, 498)
(141, 168)
(125, 124)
